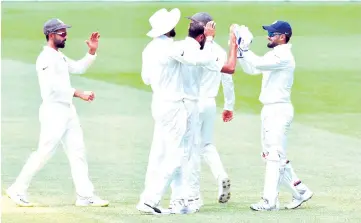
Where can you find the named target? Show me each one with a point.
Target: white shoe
(195, 203)
(305, 196)
(263, 205)
(147, 209)
(182, 207)
(93, 201)
(224, 190)
(19, 199)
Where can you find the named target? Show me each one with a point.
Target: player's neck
(51, 45)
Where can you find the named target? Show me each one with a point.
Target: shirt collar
(193, 42)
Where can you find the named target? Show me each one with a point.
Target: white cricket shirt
(170, 67)
(210, 81)
(54, 70)
(155, 71)
(200, 60)
(277, 67)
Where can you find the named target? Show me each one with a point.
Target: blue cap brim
(269, 28)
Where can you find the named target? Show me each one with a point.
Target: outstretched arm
(250, 62)
(270, 61)
(247, 67)
(81, 66)
(231, 63)
(206, 57)
(197, 57)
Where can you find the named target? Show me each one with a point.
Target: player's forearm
(248, 68)
(228, 106)
(81, 66)
(77, 93)
(230, 66)
(264, 63)
(229, 99)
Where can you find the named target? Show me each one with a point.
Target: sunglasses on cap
(62, 34)
(272, 34)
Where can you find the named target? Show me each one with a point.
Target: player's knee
(76, 146)
(48, 146)
(275, 153)
(44, 153)
(272, 155)
(276, 157)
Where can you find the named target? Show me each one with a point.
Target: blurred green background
(326, 44)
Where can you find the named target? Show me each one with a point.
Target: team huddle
(185, 78)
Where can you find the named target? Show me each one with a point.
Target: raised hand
(210, 29)
(244, 37)
(92, 42)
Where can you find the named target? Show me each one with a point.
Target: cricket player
(209, 87)
(195, 28)
(196, 73)
(177, 111)
(163, 31)
(277, 67)
(59, 122)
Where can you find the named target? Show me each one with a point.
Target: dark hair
(287, 38)
(47, 37)
(195, 29)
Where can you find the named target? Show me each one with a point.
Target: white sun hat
(163, 21)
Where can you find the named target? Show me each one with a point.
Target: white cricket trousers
(177, 122)
(276, 120)
(156, 154)
(59, 123)
(206, 151)
(157, 150)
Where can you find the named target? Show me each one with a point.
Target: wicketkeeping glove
(244, 39)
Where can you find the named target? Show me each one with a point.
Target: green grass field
(324, 144)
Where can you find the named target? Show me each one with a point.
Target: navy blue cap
(280, 27)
